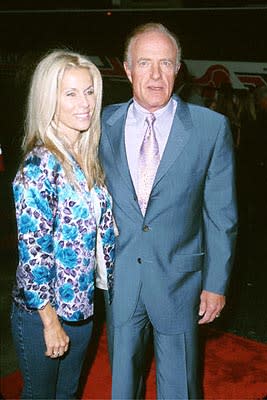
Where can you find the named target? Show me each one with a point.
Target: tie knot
(150, 119)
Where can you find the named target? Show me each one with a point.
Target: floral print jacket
(57, 233)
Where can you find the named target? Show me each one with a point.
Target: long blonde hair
(40, 127)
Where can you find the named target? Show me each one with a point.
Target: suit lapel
(117, 141)
(179, 136)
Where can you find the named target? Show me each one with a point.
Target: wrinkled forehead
(154, 46)
(154, 40)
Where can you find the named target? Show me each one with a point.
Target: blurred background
(224, 68)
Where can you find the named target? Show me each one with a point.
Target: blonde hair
(151, 27)
(40, 127)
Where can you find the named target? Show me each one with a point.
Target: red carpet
(235, 368)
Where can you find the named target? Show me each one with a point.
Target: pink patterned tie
(148, 163)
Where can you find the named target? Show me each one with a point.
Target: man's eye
(70, 94)
(166, 63)
(90, 91)
(143, 63)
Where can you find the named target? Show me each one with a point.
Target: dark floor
(245, 313)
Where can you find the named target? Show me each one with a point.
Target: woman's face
(76, 103)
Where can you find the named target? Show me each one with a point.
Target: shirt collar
(140, 112)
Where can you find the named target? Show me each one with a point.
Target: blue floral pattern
(57, 233)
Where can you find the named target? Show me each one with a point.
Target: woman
(62, 208)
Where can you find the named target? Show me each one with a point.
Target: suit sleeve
(220, 213)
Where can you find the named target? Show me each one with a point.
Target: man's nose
(155, 71)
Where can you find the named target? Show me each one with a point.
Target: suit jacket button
(139, 260)
(146, 228)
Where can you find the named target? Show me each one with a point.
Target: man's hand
(211, 304)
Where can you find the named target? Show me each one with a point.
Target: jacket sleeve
(107, 237)
(220, 213)
(35, 203)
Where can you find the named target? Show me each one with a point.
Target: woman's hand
(56, 340)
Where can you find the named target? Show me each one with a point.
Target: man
(176, 220)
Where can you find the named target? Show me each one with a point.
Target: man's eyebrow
(166, 59)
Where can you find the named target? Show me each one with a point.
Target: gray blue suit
(182, 245)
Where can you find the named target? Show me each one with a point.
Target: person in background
(64, 213)
(186, 88)
(256, 156)
(226, 105)
(246, 115)
(169, 166)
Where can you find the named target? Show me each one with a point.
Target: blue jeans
(43, 377)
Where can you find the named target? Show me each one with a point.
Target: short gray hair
(151, 27)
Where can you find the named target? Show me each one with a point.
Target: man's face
(153, 69)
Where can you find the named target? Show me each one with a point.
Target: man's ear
(128, 71)
(177, 68)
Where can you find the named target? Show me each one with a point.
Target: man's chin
(156, 105)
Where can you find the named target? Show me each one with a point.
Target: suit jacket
(184, 243)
